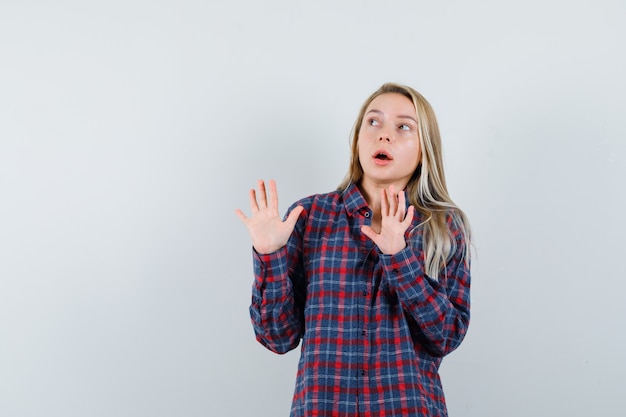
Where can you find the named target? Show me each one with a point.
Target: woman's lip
(382, 152)
(379, 161)
(382, 162)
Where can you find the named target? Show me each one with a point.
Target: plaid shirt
(373, 327)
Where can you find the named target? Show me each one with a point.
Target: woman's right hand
(268, 232)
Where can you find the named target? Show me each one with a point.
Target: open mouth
(382, 156)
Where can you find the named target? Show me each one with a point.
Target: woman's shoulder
(458, 224)
(452, 218)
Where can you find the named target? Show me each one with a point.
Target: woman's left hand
(395, 220)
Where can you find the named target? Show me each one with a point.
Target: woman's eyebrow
(401, 116)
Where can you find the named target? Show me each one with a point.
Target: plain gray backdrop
(131, 130)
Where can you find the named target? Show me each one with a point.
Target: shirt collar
(353, 199)
(355, 202)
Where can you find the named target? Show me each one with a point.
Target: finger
(409, 216)
(401, 205)
(391, 196)
(273, 195)
(262, 197)
(253, 204)
(241, 215)
(384, 206)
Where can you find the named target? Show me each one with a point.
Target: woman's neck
(371, 190)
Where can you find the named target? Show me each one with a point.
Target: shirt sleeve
(276, 309)
(441, 308)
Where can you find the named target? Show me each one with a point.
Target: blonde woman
(372, 279)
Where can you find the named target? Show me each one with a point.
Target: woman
(374, 277)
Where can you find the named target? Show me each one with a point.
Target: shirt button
(364, 293)
(362, 372)
(395, 271)
(362, 332)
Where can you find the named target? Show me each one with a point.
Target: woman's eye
(373, 122)
(405, 127)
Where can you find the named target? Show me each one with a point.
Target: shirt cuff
(271, 266)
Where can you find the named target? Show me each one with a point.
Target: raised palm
(267, 230)
(394, 222)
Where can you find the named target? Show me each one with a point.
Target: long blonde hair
(427, 189)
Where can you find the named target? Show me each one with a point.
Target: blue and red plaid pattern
(374, 327)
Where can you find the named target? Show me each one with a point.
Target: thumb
(369, 232)
(293, 217)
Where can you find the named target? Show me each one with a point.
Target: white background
(131, 130)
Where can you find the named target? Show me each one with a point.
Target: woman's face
(388, 143)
